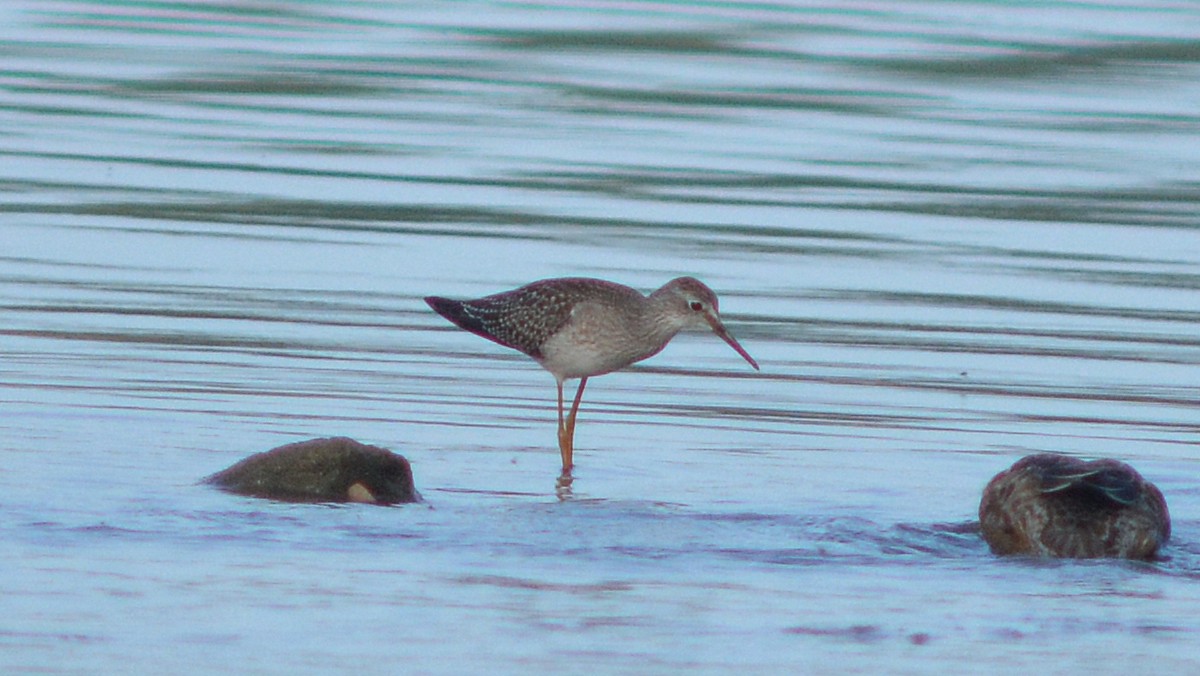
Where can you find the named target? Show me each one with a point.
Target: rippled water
(952, 233)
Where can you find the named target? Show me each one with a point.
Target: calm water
(952, 233)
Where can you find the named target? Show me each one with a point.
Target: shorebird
(578, 327)
(1055, 505)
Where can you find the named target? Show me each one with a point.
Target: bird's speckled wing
(524, 318)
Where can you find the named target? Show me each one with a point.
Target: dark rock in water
(336, 469)
(1055, 505)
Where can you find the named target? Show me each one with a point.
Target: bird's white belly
(575, 356)
(589, 346)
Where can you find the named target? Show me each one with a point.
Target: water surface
(952, 234)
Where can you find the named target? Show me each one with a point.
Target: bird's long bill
(719, 329)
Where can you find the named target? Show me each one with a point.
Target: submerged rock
(1056, 505)
(337, 469)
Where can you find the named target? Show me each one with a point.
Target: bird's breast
(593, 342)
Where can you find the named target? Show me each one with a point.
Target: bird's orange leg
(566, 430)
(565, 446)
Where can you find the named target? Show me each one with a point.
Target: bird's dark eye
(697, 306)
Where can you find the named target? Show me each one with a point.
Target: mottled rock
(1055, 505)
(336, 469)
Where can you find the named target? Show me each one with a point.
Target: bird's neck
(657, 322)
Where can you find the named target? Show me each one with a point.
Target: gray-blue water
(952, 233)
